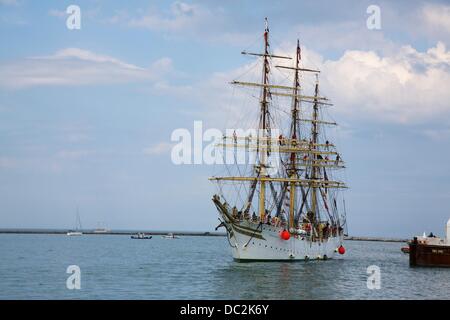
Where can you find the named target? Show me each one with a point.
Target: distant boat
(141, 235)
(170, 236)
(101, 229)
(405, 250)
(74, 233)
(77, 231)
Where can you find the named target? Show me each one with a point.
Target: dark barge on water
(430, 251)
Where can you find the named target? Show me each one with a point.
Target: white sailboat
(77, 230)
(295, 210)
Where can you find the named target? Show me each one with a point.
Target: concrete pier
(110, 232)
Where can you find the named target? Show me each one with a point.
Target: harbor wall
(156, 233)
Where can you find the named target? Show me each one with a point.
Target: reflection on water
(116, 267)
(281, 280)
(341, 278)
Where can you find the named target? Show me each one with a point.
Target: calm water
(116, 267)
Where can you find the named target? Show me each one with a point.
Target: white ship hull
(268, 245)
(250, 241)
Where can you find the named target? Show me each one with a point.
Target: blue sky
(86, 115)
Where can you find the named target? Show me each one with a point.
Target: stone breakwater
(159, 232)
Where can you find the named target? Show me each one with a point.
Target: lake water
(116, 267)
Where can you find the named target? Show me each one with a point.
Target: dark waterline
(117, 267)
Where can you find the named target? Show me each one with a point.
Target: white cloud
(339, 36)
(405, 87)
(437, 17)
(74, 66)
(80, 54)
(429, 22)
(183, 19)
(158, 149)
(402, 86)
(182, 16)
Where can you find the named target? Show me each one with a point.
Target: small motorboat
(170, 236)
(405, 250)
(141, 235)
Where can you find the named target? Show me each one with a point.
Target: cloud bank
(404, 86)
(74, 66)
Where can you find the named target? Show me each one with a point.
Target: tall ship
(284, 203)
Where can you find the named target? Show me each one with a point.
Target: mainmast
(294, 123)
(264, 102)
(263, 125)
(292, 170)
(314, 139)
